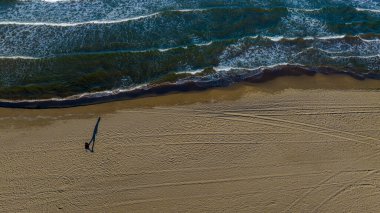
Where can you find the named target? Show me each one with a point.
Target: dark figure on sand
(92, 141)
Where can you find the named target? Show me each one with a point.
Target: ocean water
(64, 48)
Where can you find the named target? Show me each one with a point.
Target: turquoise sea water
(60, 48)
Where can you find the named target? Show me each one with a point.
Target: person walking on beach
(92, 141)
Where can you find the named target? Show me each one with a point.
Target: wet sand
(294, 144)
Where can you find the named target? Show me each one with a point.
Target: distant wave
(376, 38)
(115, 21)
(368, 10)
(19, 57)
(76, 24)
(95, 22)
(358, 56)
(320, 9)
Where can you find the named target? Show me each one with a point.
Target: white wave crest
(95, 22)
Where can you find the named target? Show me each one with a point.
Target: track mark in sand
(239, 166)
(287, 109)
(207, 133)
(323, 182)
(280, 105)
(187, 114)
(302, 124)
(35, 149)
(299, 123)
(210, 195)
(214, 143)
(132, 136)
(189, 169)
(296, 128)
(229, 143)
(201, 182)
(321, 113)
(226, 143)
(366, 157)
(222, 180)
(294, 203)
(342, 189)
(139, 201)
(39, 150)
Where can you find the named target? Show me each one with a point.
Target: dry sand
(280, 146)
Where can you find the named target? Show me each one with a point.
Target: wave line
(100, 22)
(95, 22)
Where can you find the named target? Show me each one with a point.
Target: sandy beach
(294, 144)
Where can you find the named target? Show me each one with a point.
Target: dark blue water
(60, 48)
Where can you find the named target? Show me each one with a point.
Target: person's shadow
(89, 146)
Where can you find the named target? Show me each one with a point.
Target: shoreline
(319, 82)
(257, 76)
